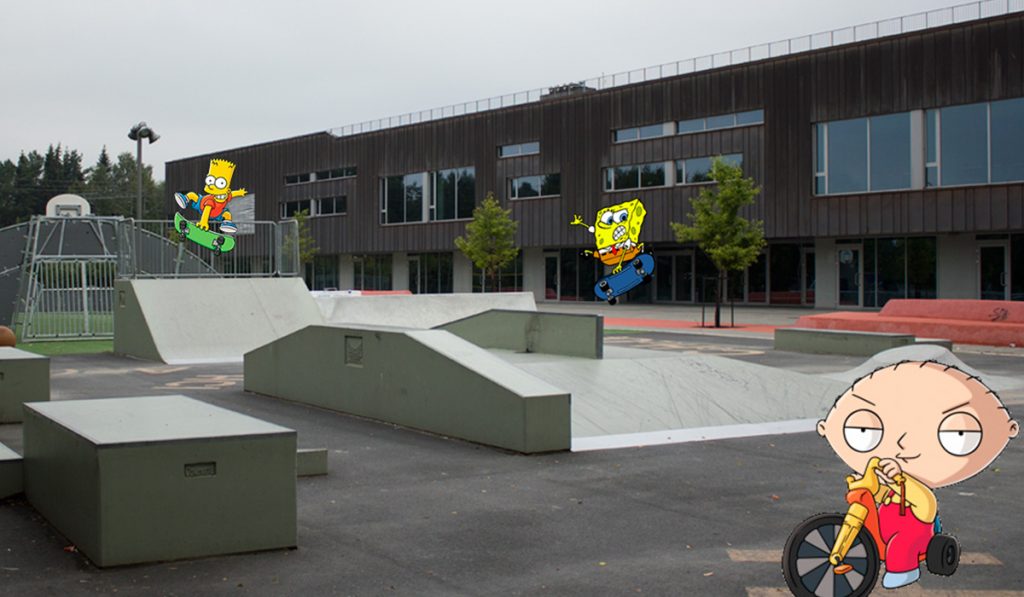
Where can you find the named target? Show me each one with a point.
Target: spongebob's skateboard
(633, 274)
(218, 243)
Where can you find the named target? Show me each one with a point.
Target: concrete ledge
(575, 335)
(12, 480)
(424, 379)
(837, 341)
(24, 377)
(310, 463)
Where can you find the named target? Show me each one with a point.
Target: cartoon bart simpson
(616, 232)
(931, 423)
(214, 204)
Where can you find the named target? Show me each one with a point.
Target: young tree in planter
(490, 238)
(731, 241)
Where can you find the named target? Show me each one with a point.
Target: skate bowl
(422, 311)
(207, 320)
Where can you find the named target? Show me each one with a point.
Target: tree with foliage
(731, 241)
(490, 238)
(302, 243)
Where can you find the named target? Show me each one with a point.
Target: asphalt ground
(408, 513)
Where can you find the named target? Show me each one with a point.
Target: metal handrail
(960, 13)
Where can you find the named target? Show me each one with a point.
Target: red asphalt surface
(636, 322)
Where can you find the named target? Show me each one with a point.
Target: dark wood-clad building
(890, 168)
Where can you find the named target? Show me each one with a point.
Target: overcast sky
(221, 74)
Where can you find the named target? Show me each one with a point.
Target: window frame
(519, 150)
(667, 130)
(682, 170)
(666, 166)
(513, 193)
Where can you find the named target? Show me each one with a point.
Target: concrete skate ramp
(205, 320)
(633, 391)
(531, 331)
(924, 352)
(421, 311)
(424, 379)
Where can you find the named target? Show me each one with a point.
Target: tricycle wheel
(943, 555)
(806, 567)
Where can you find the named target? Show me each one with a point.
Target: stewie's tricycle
(840, 555)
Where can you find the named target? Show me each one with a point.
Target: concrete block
(131, 480)
(943, 342)
(24, 377)
(425, 379)
(310, 463)
(817, 341)
(11, 479)
(567, 334)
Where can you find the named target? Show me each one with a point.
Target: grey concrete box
(24, 377)
(157, 478)
(11, 482)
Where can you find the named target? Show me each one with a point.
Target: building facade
(889, 168)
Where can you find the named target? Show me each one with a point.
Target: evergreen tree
(7, 206)
(490, 238)
(732, 242)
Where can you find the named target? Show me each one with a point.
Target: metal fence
(158, 251)
(915, 22)
(70, 298)
(69, 265)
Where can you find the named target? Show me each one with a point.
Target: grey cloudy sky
(222, 74)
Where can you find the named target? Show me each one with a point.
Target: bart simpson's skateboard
(218, 243)
(633, 274)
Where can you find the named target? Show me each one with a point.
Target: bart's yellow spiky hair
(222, 168)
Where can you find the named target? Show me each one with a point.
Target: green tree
(490, 238)
(731, 241)
(7, 207)
(113, 188)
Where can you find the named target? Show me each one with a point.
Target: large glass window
(975, 143)
(890, 151)
(697, 170)
(635, 176)
(371, 272)
(1008, 140)
(965, 152)
(430, 273)
(454, 194)
(847, 156)
(290, 208)
(509, 278)
(402, 199)
(863, 154)
(324, 270)
(897, 268)
(541, 185)
(785, 274)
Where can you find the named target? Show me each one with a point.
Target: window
(454, 194)
(509, 278)
(898, 268)
(650, 131)
(332, 205)
(289, 208)
(430, 273)
(984, 143)
(345, 172)
(863, 154)
(698, 170)
(541, 185)
(402, 198)
(722, 121)
(371, 272)
(508, 151)
(636, 176)
(322, 273)
(442, 195)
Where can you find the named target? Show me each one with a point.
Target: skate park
(425, 511)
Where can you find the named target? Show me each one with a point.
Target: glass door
(809, 271)
(993, 271)
(551, 275)
(414, 275)
(850, 274)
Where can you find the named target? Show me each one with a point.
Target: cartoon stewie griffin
(934, 424)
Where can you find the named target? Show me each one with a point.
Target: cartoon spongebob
(214, 204)
(617, 233)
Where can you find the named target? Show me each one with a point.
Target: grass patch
(62, 347)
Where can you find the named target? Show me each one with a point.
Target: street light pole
(137, 134)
